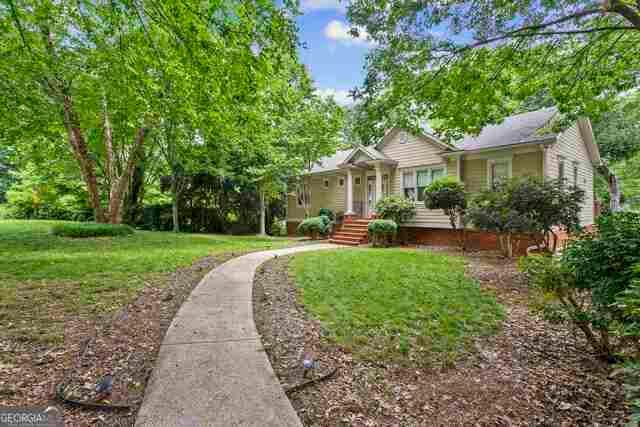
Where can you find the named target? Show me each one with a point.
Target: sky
(335, 59)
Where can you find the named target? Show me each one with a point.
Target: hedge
(90, 229)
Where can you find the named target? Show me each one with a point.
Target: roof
(330, 163)
(518, 129)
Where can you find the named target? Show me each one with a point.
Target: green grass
(90, 229)
(44, 278)
(412, 307)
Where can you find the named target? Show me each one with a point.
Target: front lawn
(44, 278)
(396, 304)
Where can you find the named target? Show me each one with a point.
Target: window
(325, 183)
(358, 180)
(341, 182)
(415, 182)
(409, 185)
(404, 138)
(302, 195)
(575, 174)
(561, 175)
(499, 171)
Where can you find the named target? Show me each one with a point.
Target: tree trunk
(119, 184)
(614, 187)
(132, 206)
(81, 153)
(175, 192)
(263, 228)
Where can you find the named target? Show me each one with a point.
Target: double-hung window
(416, 181)
(499, 171)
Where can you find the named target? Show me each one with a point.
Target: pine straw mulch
(124, 344)
(530, 373)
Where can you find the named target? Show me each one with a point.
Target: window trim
(414, 171)
(340, 182)
(326, 184)
(576, 173)
(357, 180)
(562, 178)
(493, 161)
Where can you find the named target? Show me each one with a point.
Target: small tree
(449, 195)
(530, 206)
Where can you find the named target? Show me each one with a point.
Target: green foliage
(47, 277)
(632, 389)
(279, 228)
(411, 307)
(464, 64)
(328, 213)
(40, 193)
(527, 205)
(604, 261)
(382, 231)
(449, 195)
(396, 208)
(89, 229)
(314, 226)
(595, 282)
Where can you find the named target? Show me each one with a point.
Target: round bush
(382, 231)
(396, 208)
(328, 213)
(90, 229)
(314, 226)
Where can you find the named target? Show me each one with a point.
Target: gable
(411, 150)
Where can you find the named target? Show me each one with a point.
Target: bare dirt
(530, 373)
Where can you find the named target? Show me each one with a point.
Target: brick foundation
(476, 240)
(292, 228)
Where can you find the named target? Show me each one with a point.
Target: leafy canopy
(464, 64)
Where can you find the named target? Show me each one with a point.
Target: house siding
(527, 164)
(571, 147)
(332, 198)
(414, 153)
(475, 175)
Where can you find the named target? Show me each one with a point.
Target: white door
(371, 194)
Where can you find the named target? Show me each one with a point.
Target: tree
(449, 195)
(618, 135)
(468, 64)
(105, 72)
(527, 205)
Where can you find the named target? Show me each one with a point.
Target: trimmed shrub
(328, 213)
(399, 209)
(448, 194)
(279, 228)
(315, 226)
(90, 229)
(381, 232)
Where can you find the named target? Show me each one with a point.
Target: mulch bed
(124, 344)
(529, 373)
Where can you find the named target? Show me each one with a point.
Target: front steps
(353, 232)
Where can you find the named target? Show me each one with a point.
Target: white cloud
(339, 31)
(340, 96)
(312, 5)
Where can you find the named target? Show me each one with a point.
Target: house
(351, 181)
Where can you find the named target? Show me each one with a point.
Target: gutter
(523, 143)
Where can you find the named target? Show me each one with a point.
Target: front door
(371, 195)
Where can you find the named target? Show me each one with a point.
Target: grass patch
(90, 229)
(44, 277)
(390, 304)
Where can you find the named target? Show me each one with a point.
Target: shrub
(527, 205)
(595, 283)
(382, 231)
(89, 229)
(279, 228)
(396, 208)
(328, 213)
(314, 226)
(449, 195)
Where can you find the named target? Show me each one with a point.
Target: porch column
(378, 184)
(349, 193)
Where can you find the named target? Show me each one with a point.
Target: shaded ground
(124, 344)
(529, 373)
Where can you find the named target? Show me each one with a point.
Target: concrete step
(343, 242)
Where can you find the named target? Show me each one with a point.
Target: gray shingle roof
(518, 129)
(330, 163)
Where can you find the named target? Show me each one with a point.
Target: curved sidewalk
(212, 369)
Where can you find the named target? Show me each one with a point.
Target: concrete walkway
(212, 369)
